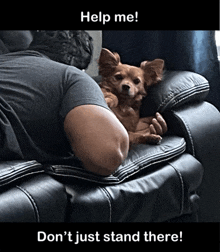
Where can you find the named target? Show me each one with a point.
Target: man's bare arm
(97, 137)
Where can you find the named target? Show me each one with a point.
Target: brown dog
(124, 87)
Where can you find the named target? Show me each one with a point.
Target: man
(53, 108)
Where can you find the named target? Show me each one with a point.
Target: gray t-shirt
(39, 93)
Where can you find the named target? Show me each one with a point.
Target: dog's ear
(107, 62)
(153, 71)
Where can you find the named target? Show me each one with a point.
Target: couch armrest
(199, 124)
(176, 89)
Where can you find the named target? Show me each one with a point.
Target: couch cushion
(176, 89)
(158, 195)
(140, 158)
(38, 199)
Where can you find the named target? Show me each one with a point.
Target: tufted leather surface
(156, 196)
(39, 199)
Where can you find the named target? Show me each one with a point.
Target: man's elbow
(107, 161)
(110, 164)
(106, 165)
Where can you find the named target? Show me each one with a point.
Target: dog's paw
(159, 142)
(153, 139)
(112, 103)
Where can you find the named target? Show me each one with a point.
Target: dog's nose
(125, 87)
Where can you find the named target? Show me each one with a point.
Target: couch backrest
(14, 40)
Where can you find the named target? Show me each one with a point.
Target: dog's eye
(136, 81)
(118, 77)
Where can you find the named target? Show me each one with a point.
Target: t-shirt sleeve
(80, 89)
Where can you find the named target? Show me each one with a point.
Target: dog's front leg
(110, 98)
(112, 102)
(136, 138)
(143, 137)
(149, 130)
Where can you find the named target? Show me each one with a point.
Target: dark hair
(71, 47)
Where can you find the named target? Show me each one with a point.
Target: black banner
(170, 236)
(151, 15)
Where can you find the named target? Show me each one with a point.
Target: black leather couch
(174, 181)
